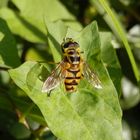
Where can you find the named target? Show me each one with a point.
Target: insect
(71, 69)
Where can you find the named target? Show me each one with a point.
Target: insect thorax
(71, 51)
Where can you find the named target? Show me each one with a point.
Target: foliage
(31, 32)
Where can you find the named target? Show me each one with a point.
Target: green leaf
(5, 104)
(116, 26)
(44, 8)
(7, 118)
(56, 32)
(110, 59)
(19, 131)
(89, 114)
(1, 36)
(31, 23)
(27, 108)
(55, 12)
(8, 51)
(30, 29)
(90, 42)
(33, 54)
(3, 3)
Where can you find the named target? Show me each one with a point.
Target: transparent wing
(54, 79)
(91, 76)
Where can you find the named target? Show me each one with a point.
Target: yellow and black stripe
(72, 59)
(72, 80)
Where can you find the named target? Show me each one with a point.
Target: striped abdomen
(72, 79)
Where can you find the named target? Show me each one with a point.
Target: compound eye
(66, 45)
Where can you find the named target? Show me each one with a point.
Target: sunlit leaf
(31, 23)
(3, 3)
(112, 19)
(89, 114)
(52, 9)
(56, 32)
(110, 59)
(30, 29)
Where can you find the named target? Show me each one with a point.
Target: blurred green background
(23, 21)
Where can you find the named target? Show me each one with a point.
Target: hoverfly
(71, 69)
